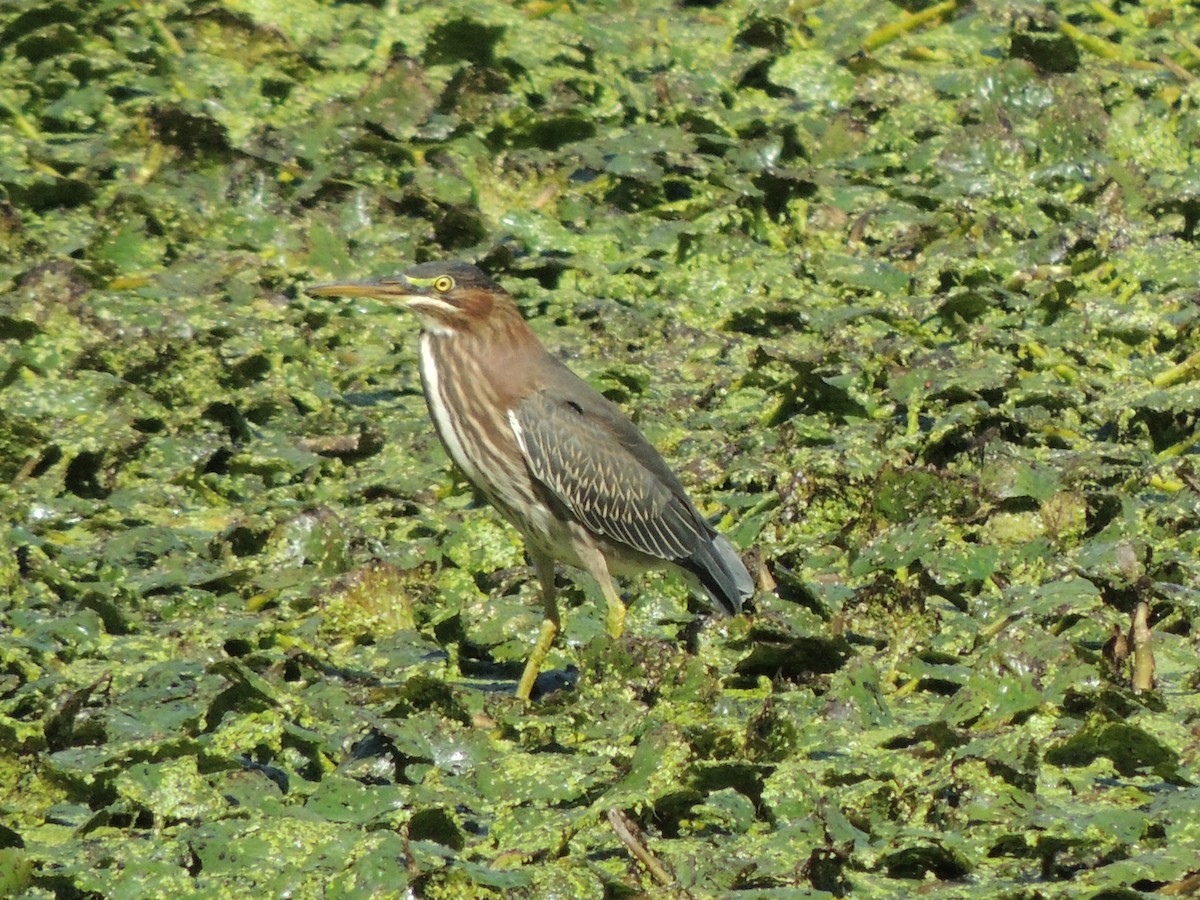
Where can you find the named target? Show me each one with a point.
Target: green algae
(906, 295)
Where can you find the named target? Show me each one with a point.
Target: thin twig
(1143, 653)
(1175, 68)
(1183, 371)
(885, 34)
(1189, 46)
(631, 837)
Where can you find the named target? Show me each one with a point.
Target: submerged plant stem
(628, 832)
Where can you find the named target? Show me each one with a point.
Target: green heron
(555, 457)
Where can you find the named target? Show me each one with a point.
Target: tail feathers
(722, 573)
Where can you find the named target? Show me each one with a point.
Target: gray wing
(607, 475)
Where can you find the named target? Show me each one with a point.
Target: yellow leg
(614, 619)
(550, 628)
(536, 657)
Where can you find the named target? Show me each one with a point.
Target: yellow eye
(443, 284)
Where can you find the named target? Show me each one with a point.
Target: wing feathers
(603, 481)
(600, 468)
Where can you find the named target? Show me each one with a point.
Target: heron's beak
(394, 288)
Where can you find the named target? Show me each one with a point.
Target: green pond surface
(909, 295)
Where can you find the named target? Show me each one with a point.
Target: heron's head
(449, 297)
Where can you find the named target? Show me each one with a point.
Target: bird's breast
(471, 419)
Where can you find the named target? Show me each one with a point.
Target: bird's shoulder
(562, 400)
